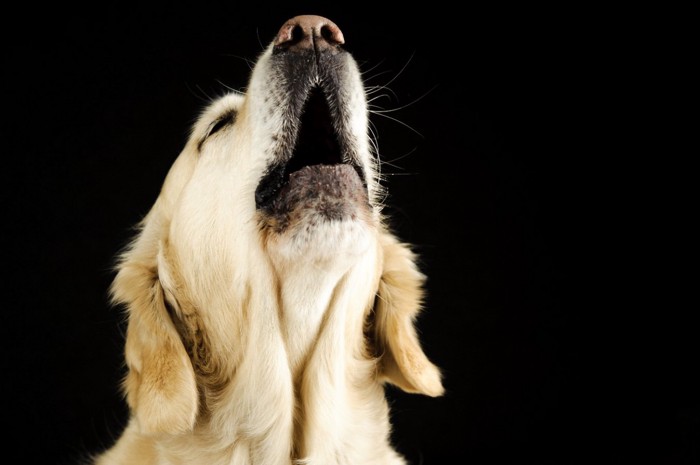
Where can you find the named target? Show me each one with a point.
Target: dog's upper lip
(317, 143)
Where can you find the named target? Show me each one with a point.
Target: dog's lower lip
(277, 182)
(330, 175)
(332, 190)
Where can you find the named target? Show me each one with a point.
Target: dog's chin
(322, 211)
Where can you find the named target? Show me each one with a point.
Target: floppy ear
(160, 385)
(398, 302)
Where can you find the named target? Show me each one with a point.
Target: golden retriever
(267, 300)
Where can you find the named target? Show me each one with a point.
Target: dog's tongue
(332, 190)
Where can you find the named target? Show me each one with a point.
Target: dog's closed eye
(225, 120)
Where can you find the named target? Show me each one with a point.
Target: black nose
(309, 32)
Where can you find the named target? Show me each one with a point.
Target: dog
(268, 302)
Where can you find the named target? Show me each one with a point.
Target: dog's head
(281, 175)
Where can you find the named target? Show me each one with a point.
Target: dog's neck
(306, 294)
(309, 282)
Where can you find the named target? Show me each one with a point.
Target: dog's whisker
(400, 72)
(373, 139)
(401, 157)
(247, 61)
(412, 102)
(229, 88)
(400, 174)
(384, 115)
(201, 95)
(370, 69)
(403, 68)
(374, 88)
(382, 191)
(371, 101)
(260, 42)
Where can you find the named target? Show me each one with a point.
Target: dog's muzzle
(316, 169)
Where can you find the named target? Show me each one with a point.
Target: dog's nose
(309, 32)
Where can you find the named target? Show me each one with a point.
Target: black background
(511, 165)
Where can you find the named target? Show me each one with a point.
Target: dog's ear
(399, 299)
(160, 384)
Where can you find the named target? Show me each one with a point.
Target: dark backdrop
(509, 167)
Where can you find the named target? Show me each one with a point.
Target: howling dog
(268, 301)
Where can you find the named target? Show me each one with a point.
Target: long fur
(266, 339)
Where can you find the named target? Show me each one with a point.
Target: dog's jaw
(319, 179)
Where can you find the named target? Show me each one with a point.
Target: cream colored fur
(249, 347)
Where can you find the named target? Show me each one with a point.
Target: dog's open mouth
(317, 175)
